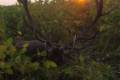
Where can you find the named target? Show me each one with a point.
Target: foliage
(58, 21)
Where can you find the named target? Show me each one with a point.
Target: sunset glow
(11, 2)
(82, 2)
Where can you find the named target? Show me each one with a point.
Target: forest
(60, 40)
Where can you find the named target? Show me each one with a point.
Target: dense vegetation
(56, 40)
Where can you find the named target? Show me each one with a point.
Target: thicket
(58, 22)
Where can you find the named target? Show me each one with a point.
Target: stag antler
(99, 14)
(92, 27)
(30, 19)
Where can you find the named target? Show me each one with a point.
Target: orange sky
(11, 2)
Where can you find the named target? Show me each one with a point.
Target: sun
(81, 2)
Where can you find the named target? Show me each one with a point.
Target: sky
(11, 2)
(8, 2)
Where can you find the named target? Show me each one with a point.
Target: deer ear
(19, 33)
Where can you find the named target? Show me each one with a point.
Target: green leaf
(43, 53)
(50, 64)
(9, 42)
(34, 66)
